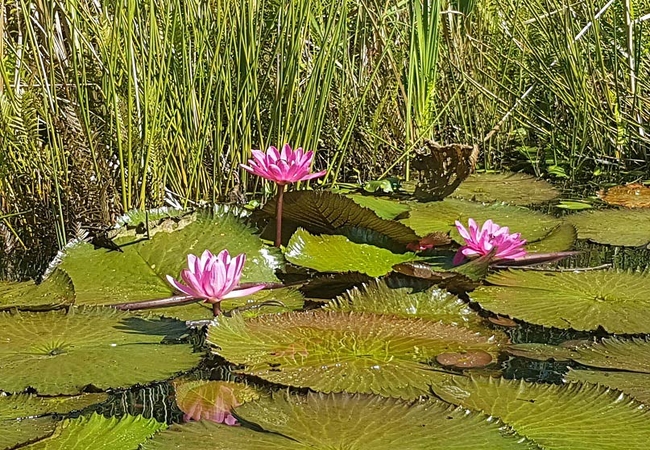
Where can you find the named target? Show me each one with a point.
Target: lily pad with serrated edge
(426, 218)
(322, 212)
(100, 433)
(56, 290)
(620, 227)
(61, 352)
(541, 352)
(514, 188)
(20, 420)
(103, 277)
(353, 422)
(267, 301)
(431, 304)
(634, 384)
(353, 352)
(556, 417)
(211, 400)
(616, 301)
(384, 208)
(329, 253)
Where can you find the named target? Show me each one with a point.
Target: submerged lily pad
(138, 273)
(211, 400)
(514, 188)
(19, 421)
(616, 301)
(329, 253)
(353, 422)
(61, 353)
(621, 227)
(56, 290)
(634, 195)
(431, 304)
(100, 433)
(572, 417)
(353, 352)
(323, 212)
(426, 218)
(384, 208)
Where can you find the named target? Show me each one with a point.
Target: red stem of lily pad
(216, 308)
(278, 216)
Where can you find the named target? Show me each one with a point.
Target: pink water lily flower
(284, 167)
(213, 278)
(481, 241)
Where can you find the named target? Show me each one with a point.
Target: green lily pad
(570, 417)
(541, 352)
(103, 277)
(55, 291)
(431, 304)
(323, 212)
(621, 227)
(337, 421)
(620, 354)
(100, 433)
(514, 188)
(616, 301)
(267, 301)
(353, 352)
(19, 421)
(330, 253)
(384, 208)
(634, 384)
(61, 353)
(426, 218)
(559, 239)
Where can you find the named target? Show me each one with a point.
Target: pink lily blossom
(213, 278)
(284, 167)
(481, 241)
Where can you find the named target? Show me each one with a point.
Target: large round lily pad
(354, 352)
(431, 304)
(103, 277)
(61, 353)
(622, 227)
(100, 433)
(329, 253)
(426, 218)
(616, 301)
(20, 415)
(514, 188)
(572, 417)
(337, 421)
(384, 208)
(56, 290)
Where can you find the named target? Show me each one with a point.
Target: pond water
(367, 344)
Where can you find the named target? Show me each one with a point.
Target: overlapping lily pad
(572, 417)
(514, 188)
(353, 422)
(61, 352)
(104, 277)
(211, 400)
(24, 418)
(426, 218)
(323, 212)
(100, 433)
(622, 227)
(384, 208)
(328, 253)
(559, 239)
(616, 301)
(634, 384)
(55, 291)
(431, 304)
(353, 352)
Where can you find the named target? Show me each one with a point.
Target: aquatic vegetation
(508, 187)
(490, 238)
(621, 227)
(213, 278)
(288, 166)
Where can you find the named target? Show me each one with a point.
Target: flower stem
(216, 308)
(278, 216)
